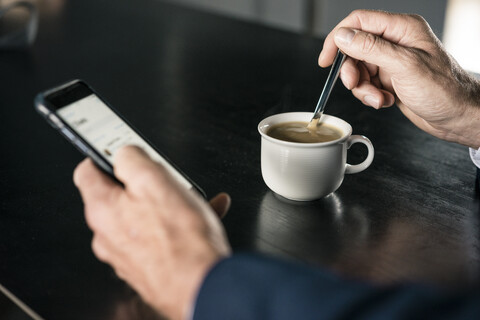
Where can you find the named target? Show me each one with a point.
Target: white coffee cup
(308, 171)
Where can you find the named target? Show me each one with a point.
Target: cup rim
(307, 115)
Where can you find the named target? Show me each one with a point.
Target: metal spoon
(327, 89)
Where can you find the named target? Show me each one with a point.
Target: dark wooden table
(197, 85)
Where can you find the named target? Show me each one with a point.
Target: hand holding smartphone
(95, 128)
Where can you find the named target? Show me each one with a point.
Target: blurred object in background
(329, 12)
(19, 21)
(316, 17)
(462, 33)
(284, 14)
(46, 7)
(18, 25)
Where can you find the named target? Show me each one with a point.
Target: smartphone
(97, 130)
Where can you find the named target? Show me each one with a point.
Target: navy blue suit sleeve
(248, 286)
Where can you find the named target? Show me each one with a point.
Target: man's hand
(159, 237)
(397, 56)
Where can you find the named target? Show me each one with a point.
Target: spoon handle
(327, 89)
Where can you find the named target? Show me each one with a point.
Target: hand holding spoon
(327, 89)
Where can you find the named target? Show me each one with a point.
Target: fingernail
(344, 35)
(372, 101)
(389, 100)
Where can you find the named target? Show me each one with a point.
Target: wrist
(189, 307)
(467, 126)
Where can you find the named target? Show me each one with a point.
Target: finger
(376, 82)
(372, 96)
(220, 204)
(370, 90)
(349, 73)
(372, 68)
(107, 254)
(365, 91)
(372, 49)
(98, 192)
(109, 248)
(364, 74)
(395, 28)
(93, 184)
(389, 98)
(368, 94)
(138, 172)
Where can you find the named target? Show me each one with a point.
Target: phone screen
(105, 131)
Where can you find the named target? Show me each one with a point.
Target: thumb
(220, 204)
(370, 48)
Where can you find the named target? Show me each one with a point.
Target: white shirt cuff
(475, 156)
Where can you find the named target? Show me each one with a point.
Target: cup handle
(355, 168)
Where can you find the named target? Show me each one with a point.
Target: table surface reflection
(197, 85)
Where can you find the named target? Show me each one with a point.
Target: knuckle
(362, 16)
(358, 13)
(370, 42)
(91, 220)
(120, 158)
(422, 29)
(79, 174)
(148, 175)
(421, 24)
(124, 156)
(127, 152)
(143, 176)
(130, 148)
(95, 215)
(99, 250)
(120, 274)
(418, 19)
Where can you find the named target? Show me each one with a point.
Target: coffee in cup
(298, 131)
(302, 169)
